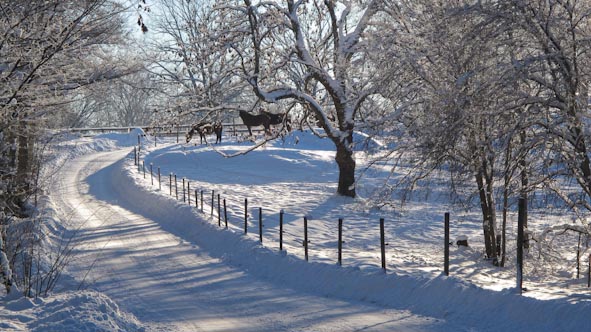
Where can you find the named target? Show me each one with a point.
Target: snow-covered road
(172, 284)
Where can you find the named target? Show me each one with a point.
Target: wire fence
(217, 208)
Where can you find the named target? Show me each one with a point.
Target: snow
(71, 311)
(160, 264)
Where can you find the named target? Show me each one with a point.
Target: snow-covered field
(215, 279)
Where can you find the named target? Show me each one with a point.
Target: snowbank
(442, 297)
(306, 140)
(74, 311)
(77, 145)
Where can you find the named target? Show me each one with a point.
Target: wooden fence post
(589, 272)
(144, 167)
(246, 216)
(306, 238)
(340, 243)
(176, 188)
(212, 202)
(135, 156)
(446, 245)
(184, 198)
(170, 183)
(520, 226)
(151, 174)
(201, 200)
(281, 230)
(578, 256)
(225, 214)
(382, 244)
(159, 182)
(261, 224)
(196, 199)
(188, 192)
(219, 212)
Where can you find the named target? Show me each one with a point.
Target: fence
(160, 131)
(220, 210)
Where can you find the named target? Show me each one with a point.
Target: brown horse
(204, 129)
(264, 119)
(275, 119)
(250, 120)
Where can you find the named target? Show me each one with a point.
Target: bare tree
(499, 92)
(311, 53)
(459, 111)
(48, 49)
(554, 57)
(123, 102)
(195, 73)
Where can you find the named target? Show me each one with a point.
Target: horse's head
(189, 135)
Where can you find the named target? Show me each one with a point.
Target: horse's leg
(267, 129)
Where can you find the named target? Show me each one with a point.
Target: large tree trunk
(488, 215)
(507, 181)
(346, 163)
(8, 197)
(5, 271)
(522, 206)
(24, 164)
(584, 164)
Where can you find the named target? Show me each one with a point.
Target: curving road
(171, 284)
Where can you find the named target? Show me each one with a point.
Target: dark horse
(264, 119)
(204, 129)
